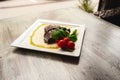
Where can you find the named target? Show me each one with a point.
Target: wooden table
(21, 7)
(99, 60)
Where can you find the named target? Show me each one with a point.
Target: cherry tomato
(66, 40)
(71, 45)
(62, 44)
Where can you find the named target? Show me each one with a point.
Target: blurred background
(12, 8)
(108, 10)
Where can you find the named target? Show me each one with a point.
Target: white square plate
(23, 41)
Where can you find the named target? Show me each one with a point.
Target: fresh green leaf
(73, 36)
(55, 34)
(74, 32)
(59, 34)
(63, 33)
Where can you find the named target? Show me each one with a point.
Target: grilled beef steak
(48, 33)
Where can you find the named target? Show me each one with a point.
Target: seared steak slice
(48, 33)
(51, 27)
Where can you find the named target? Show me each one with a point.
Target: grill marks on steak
(48, 33)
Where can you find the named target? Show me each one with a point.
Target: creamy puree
(37, 38)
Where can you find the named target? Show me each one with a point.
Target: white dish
(24, 40)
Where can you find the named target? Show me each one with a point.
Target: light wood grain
(99, 60)
(13, 8)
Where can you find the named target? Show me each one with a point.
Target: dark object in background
(109, 10)
(115, 19)
(108, 13)
(3, 0)
(108, 4)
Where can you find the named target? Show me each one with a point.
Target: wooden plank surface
(21, 7)
(99, 60)
(23, 3)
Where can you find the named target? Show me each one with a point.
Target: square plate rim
(15, 42)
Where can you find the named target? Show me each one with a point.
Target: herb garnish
(73, 36)
(64, 32)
